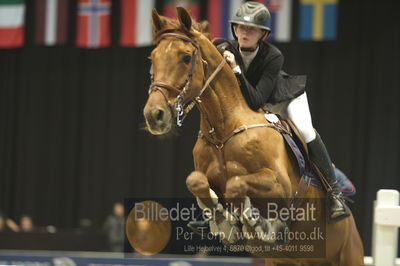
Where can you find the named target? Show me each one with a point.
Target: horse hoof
(228, 233)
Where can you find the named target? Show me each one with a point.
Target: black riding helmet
(251, 14)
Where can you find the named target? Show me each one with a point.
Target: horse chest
(233, 168)
(238, 160)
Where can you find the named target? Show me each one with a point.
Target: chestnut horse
(239, 156)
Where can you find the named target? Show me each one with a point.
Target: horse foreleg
(198, 185)
(222, 223)
(262, 184)
(259, 186)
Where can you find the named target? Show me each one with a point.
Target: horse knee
(197, 183)
(236, 188)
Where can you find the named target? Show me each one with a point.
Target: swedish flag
(318, 20)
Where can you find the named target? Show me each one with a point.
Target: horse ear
(156, 20)
(204, 26)
(184, 18)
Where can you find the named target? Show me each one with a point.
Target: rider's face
(248, 36)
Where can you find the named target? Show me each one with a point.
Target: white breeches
(298, 112)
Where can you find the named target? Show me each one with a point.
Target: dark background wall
(71, 141)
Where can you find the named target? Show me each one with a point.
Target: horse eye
(186, 59)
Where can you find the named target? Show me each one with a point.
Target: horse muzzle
(158, 120)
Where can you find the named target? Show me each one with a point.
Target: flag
(219, 12)
(281, 19)
(318, 19)
(192, 6)
(51, 22)
(12, 19)
(135, 22)
(93, 23)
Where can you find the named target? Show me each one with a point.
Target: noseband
(181, 109)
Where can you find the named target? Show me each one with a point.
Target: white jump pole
(385, 227)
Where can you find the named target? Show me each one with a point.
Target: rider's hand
(230, 58)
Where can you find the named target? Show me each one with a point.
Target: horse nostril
(159, 114)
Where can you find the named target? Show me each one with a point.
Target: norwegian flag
(93, 23)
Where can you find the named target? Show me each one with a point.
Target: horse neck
(223, 105)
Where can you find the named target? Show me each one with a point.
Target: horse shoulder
(256, 148)
(204, 155)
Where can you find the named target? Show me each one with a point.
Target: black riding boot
(337, 208)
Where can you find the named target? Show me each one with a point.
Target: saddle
(308, 171)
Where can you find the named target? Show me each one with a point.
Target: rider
(257, 67)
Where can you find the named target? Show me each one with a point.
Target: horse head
(177, 71)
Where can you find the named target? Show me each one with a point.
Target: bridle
(181, 109)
